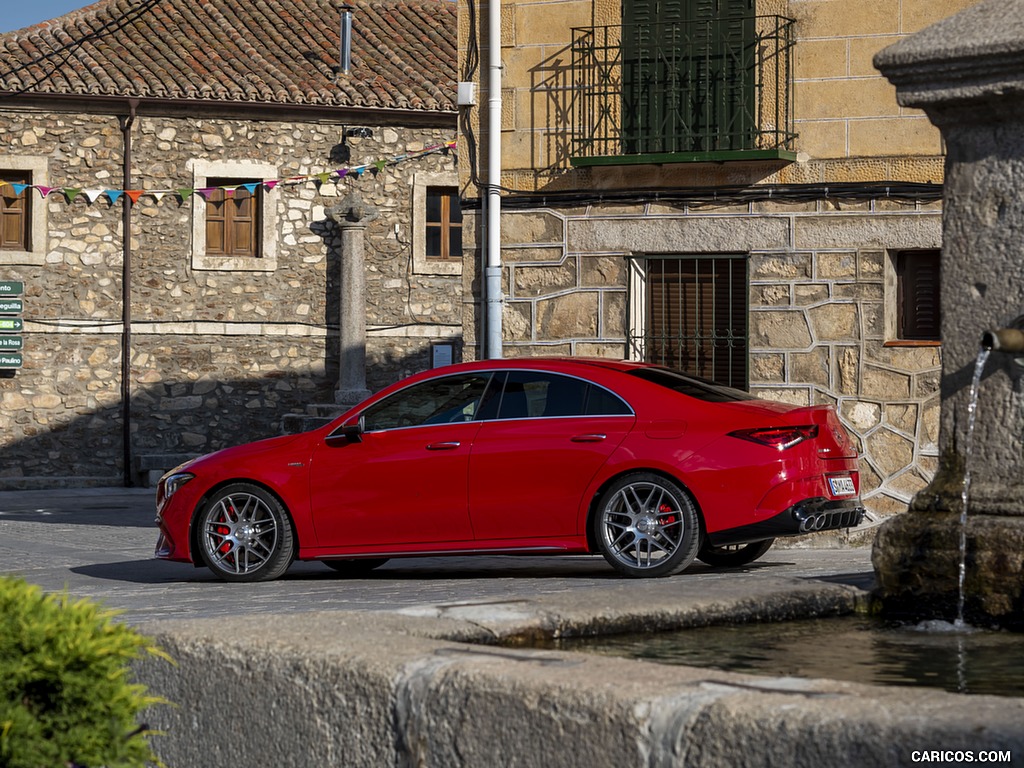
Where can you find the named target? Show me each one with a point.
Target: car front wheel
(646, 525)
(245, 534)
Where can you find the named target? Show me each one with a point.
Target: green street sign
(10, 360)
(8, 324)
(10, 342)
(11, 306)
(11, 288)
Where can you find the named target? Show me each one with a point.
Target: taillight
(778, 437)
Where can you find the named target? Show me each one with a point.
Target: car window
(438, 401)
(701, 389)
(535, 394)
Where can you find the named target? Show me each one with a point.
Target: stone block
(825, 18)
(832, 266)
(613, 315)
(855, 231)
(835, 322)
(885, 385)
(810, 367)
(780, 266)
(861, 415)
(544, 280)
(530, 228)
(822, 138)
(571, 316)
(902, 135)
(778, 330)
(890, 452)
(603, 271)
(517, 322)
(862, 52)
(726, 234)
(775, 295)
(845, 99)
(902, 416)
(805, 294)
(767, 368)
(820, 59)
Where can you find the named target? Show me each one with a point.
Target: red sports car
(642, 464)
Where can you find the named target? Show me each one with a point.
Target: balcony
(689, 91)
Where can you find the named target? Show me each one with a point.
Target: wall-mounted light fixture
(346, 38)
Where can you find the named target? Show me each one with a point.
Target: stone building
(176, 179)
(728, 186)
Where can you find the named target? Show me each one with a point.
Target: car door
(531, 464)
(403, 481)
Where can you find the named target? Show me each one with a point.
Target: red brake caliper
(223, 530)
(667, 518)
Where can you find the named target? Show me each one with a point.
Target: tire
(733, 556)
(244, 534)
(351, 569)
(646, 526)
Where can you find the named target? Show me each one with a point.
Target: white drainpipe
(492, 271)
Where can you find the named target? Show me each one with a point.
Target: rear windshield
(701, 389)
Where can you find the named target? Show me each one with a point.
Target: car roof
(553, 362)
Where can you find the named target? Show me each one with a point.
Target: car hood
(239, 453)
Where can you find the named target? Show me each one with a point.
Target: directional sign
(10, 342)
(10, 360)
(11, 288)
(8, 324)
(11, 306)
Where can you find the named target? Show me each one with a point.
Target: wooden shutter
(15, 213)
(233, 220)
(443, 224)
(918, 295)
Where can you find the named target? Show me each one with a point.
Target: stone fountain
(967, 74)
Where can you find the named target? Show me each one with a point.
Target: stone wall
(218, 356)
(818, 298)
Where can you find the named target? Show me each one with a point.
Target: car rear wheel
(735, 555)
(245, 534)
(355, 568)
(645, 525)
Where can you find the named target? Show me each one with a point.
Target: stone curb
(391, 689)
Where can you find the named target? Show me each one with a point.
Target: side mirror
(348, 433)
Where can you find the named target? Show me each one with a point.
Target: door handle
(445, 446)
(594, 438)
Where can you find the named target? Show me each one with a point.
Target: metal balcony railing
(676, 91)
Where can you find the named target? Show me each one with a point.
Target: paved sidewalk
(98, 543)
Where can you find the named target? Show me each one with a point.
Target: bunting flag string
(184, 193)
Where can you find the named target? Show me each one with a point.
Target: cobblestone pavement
(98, 543)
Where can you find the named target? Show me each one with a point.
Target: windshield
(701, 389)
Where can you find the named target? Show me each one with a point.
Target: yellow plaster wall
(845, 112)
(844, 109)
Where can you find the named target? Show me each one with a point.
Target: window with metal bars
(917, 280)
(696, 316)
(15, 212)
(233, 220)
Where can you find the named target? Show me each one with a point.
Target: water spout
(1009, 340)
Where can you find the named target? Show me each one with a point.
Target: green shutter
(687, 69)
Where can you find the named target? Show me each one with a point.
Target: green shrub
(65, 695)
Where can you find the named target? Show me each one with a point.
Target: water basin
(854, 649)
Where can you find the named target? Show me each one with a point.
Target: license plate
(842, 486)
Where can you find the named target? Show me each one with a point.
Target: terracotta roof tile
(270, 51)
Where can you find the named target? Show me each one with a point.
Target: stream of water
(972, 408)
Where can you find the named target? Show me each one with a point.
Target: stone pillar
(352, 216)
(967, 74)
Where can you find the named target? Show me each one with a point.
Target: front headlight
(169, 485)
